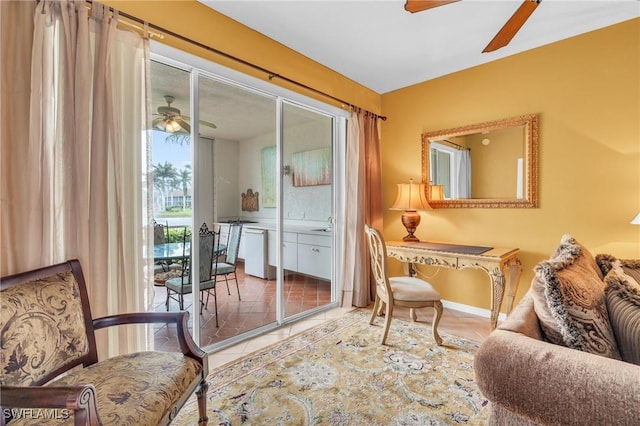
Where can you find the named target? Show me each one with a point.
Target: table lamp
(436, 192)
(411, 198)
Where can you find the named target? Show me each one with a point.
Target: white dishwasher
(256, 255)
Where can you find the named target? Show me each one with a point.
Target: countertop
(300, 229)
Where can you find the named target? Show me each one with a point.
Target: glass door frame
(198, 67)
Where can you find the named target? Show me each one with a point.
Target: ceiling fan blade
(185, 126)
(513, 25)
(208, 124)
(414, 6)
(204, 123)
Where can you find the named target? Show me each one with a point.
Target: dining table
(177, 251)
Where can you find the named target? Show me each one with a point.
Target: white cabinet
(314, 255)
(271, 248)
(289, 250)
(242, 250)
(306, 253)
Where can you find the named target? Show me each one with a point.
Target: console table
(493, 261)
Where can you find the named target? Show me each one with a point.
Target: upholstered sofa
(50, 373)
(569, 353)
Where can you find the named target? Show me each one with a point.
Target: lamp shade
(411, 197)
(636, 220)
(436, 192)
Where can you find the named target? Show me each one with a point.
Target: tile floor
(257, 307)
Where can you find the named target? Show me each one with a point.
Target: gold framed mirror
(490, 165)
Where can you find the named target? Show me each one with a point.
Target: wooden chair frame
(384, 290)
(82, 399)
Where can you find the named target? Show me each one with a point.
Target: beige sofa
(530, 380)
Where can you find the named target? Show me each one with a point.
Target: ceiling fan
(506, 33)
(171, 121)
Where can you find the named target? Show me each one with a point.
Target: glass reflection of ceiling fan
(171, 121)
(506, 33)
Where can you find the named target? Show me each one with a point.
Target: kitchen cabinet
(314, 255)
(289, 250)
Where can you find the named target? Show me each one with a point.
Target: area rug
(338, 373)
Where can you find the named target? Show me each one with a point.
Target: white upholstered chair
(411, 292)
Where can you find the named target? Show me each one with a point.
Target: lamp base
(410, 220)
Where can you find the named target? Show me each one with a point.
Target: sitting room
(504, 183)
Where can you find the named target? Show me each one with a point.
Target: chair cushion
(135, 389)
(623, 303)
(568, 292)
(411, 289)
(224, 268)
(176, 285)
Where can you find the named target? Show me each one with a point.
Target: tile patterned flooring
(257, 308)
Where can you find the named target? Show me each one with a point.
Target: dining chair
(410, 292)
(160, 233)
(183, 284)
(227, 268)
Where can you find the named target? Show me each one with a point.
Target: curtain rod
(457, 146)
(271, 75)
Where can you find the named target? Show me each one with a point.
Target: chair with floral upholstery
(47, 329)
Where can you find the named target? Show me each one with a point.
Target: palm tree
(184, 179)
(163, 176)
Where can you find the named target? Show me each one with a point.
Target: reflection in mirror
(492, 164)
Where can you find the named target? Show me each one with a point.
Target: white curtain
(463, 173)
(76, 184)
(363, 204)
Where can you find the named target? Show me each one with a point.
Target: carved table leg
(515, 270)
(497, 293)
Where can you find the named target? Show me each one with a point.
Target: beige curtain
(363, 204)
(74, 185)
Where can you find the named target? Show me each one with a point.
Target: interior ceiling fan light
(172, 126)
(170, 119)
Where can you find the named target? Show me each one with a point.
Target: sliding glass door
(234, 198)
(307, 208)
(244, 161)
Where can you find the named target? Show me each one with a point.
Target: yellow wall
(586, 91)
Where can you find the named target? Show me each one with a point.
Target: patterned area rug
(339, 374)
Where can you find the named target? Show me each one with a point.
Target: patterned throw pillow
(630, 267)
(622, 293)
(568, 292)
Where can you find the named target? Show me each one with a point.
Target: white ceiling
(381, 46)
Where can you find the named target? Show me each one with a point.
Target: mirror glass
(492, 164)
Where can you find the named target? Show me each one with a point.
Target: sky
(178, 155)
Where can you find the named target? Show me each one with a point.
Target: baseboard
(471, 310)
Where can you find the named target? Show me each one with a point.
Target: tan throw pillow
(630, 267)
(622, 293)
(568, 292)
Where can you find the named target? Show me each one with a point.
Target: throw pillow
(623, 303)
(630, 267)
(568, 292)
